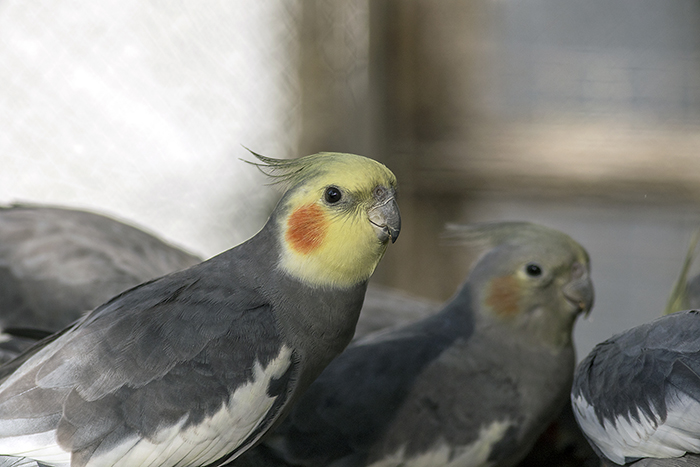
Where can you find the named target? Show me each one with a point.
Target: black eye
(332, 194)
(533, 270)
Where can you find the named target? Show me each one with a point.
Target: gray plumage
(474, 384)
(637, 394)
(385, 307)
(194, 367)
(688, 460)
(57, 263)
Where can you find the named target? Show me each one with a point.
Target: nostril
(577, 270)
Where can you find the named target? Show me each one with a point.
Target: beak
(385, 217)
(580, 290)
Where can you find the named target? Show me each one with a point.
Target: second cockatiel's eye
(533, 270)
(332, 195)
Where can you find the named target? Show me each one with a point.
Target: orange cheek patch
(503, 296)
(306, 228)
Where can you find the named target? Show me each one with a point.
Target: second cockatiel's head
(336, 218)
(533, 278)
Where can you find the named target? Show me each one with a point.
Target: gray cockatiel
(626, 392)
(474, 384)
(57, 263)
(194, 367)
(636, 396)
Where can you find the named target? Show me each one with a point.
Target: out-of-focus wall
(584, 116)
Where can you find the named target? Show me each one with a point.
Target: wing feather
(638, 393)
(157, 368)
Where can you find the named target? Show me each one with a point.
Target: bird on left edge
(57, 263)
(194, 367)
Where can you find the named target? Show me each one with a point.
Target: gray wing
(688, 460)
(638, 393)
(462, 409)
(685, 461)
(56, 263)
(176, 368)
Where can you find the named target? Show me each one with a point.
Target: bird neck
(318, 322)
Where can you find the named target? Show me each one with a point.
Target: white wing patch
(200, 444)
(678, 434)
(472, 455)
(18, 462)
(41, 446)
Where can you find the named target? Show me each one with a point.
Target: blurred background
(583, 116)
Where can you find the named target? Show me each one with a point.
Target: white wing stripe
(215, 437)
(678, 434)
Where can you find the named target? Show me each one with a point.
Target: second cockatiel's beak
(384, 215)
(579, 290)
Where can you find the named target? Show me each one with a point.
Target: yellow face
(337, 222)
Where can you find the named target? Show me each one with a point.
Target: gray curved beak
(580, 290)
(386, 218)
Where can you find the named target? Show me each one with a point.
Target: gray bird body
(458, 388)
(86, 374)
(194, 367)
(637, 395)
(58, 263)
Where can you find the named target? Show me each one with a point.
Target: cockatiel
(194, 367)
(636, 396)
(473, 385)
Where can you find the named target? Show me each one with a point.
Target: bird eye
(333, 194)
(533, 270)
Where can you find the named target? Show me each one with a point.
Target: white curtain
(140, 108)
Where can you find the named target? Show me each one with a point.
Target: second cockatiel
(194, 367)
(473, 385)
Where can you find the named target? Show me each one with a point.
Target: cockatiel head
(336, 218)
(534, 278)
